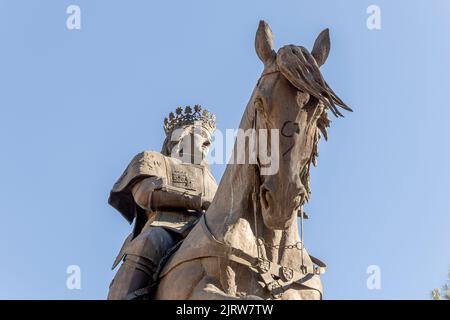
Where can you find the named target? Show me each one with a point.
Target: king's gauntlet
(153, 195)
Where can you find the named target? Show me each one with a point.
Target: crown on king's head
(190, 117)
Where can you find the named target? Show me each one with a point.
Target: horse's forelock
(300, 68)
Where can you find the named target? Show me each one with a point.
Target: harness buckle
(287, 273)
(318, 270)
(275, 289)
(263, 265)
(304, 269)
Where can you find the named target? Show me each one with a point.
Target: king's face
(193, 146)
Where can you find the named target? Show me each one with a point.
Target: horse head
(292, 97)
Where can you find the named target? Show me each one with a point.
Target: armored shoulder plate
(145, 164)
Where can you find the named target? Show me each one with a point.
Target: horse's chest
(238, 280)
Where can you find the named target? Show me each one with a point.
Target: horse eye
(289, 129)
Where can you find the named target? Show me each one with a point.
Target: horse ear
(264, 43)
(321, 47)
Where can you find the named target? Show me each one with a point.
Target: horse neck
(232, 217)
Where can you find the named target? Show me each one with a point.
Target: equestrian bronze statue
(245, 243)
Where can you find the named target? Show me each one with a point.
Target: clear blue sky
(76, 106)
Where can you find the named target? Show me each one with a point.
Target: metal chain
(297, 245)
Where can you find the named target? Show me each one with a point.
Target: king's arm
(152, 194)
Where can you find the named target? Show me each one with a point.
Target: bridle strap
(255, 195)
(269, 72)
